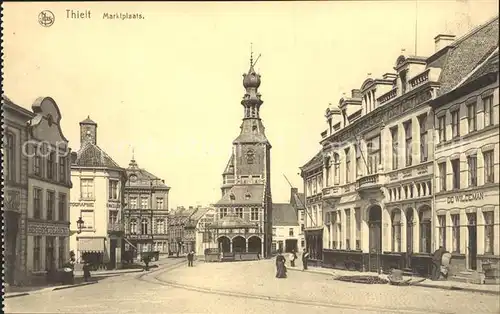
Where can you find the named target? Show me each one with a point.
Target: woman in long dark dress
(280, 266)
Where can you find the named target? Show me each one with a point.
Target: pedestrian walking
(190, 258)
(280, 266)
(293, 257)
(305, 257)
(437, 258)
(147, 260)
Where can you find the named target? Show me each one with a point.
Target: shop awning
(91, 244)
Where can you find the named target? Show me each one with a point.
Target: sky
(169, 86)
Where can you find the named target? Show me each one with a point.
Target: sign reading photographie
(465, 197)
(82, 204)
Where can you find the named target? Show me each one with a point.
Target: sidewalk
(446, 285)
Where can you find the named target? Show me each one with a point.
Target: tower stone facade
(246, 190)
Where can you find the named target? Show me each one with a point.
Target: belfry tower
(246, 202)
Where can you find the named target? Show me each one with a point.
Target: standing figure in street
(293, 257)
(147, 259)
(280, 266)
(305, 257)
(190, 258)
(436, 263)
(86, 270)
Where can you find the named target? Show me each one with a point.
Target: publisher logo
(46, 18)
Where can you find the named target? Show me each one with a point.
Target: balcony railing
(331, 191)
(368, 180)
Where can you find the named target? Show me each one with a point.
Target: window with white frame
(239, 212)
(395, 148)
(133, 203)
(442, 230)
(113, 189)
(488, 110)
(62, 206)
(396, 230)
(472, 116)
(133, 226)
(472, 167)
(336, 169)
(37, 203)
(442, 175)
(87, 188)
(489, 167)
(222, 212)
(423, 138)
(347, 165)
(88, 219)
(455, 123)
(51, 205)
(408, 142)
(51, 166)
(442, 128)
(144, 226)
(455, 167)
(62, 169)
(144, 202)
(374, 154)
(455, 233)
(489, 238)
(254, 214)
(159, 203)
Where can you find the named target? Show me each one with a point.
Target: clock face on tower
(250, 156)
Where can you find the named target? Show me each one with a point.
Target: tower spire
(251, 54)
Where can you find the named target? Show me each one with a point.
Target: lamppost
(79, 224)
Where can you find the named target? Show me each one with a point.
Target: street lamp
(79, 224)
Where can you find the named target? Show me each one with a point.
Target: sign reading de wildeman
(465, 197)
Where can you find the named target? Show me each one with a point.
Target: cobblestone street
(245, 287)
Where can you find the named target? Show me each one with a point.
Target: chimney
(443, 40)
(293, 192)
(74, 156)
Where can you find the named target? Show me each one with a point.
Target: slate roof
(284, 215)
(88, 121)
(489, 66)
(144, 177)
(91, 155)
(465, 54)
(314, 162)
(255, 193)
(230, 166)
(248, 135)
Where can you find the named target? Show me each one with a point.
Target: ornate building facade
(146, 214)
(37, 190)
(375, 173)
(97, 200)
(244, 213)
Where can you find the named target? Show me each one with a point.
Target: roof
(91, 155)
(231, 221)
(8, 103)
(466, 53)
(243, 194)
(298, 200)
(284, 215)
(230, 166)
(490, 65)
(316, 161)
(88, 121)
(144, 177)
(249, 135)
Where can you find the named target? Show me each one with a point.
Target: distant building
(98, 199)
(297, 200)
(286, 228)
(244, 213)
(146, 213)
(37, 189)
(204, 238)
(181, 229)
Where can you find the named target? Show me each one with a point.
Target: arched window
(336, 169)
(144, 226)
(133, 226)
(425, 229)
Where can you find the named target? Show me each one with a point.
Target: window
(472, 117)
(442, 128)
(374, 154)
(37, 203)
(488, 232)
(207, 237)
(37, 253)
(274, 231)
(302, 227)
(348, 229)
(290, 232)
(408, 143)
(423, 138)
(87, 188)
(488, 110)
(334, 229)
(51, 203)
(425, 230)
(442, 230)
(62, 251)
(442, 175)
(359, 164)
(10, 157)
(144, 226)
(327, 171)
(455, 233)
(37, 164)
(357, 216)
(62, 169)
(133, 202)
(113, 217)
(159, 203)
(223, 213)
(396, 230)
(160, 226)
(254, 214)
(472, 165)
(49, 253)
(455, 123)
(455, 166)
(395, 148)
(347, 166)
(336, 169)
(62, 207)
(144, 202)
(113, 190)
(88, 219)
(489, 167)
(239, 212)
(133, 226)
(51, 166)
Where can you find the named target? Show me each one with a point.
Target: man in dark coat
(305, 257)
(436, 263)
(190, 258)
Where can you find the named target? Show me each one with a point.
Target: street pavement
(245, 287)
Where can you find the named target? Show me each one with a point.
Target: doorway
(290, 245)
(112, 253)
(472, 243)
(375, 234)
(11, 233)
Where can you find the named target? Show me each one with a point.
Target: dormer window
(402, 77)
